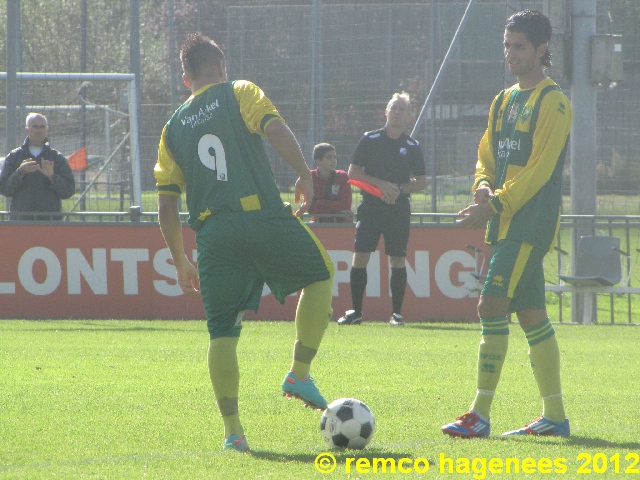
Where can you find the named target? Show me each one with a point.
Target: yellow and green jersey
(213, 148)
(521, 157)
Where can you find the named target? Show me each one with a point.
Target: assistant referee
(391, 160)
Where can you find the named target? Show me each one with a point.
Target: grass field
(131, 399)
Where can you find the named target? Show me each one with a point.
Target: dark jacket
(34, 192)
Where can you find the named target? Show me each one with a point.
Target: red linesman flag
(78, 160)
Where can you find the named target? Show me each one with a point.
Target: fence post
(135, 213)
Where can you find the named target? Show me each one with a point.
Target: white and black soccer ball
(347, 423)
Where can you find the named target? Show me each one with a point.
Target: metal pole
(134, 40)
(390, 77)
(172, 57)
(13, 35)
(583, 135)
(311, 137)
(134, 146)
(441, 70)
(107, 147)
(83, 110)
(134, 98)
(320, 75)
(432, 124)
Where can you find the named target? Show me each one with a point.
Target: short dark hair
(535, 26)
(321, 149)
(199, 53)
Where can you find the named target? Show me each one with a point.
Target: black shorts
(390, 221)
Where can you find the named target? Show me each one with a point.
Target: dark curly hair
(535, 26)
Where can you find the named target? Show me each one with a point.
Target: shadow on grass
(602, 443)
(452, 327)
(72, 325)
(578, 441)
(341, 456)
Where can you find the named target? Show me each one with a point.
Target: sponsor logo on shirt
(562, 108)
(403, 151)
(506, 145)
(203, 115)
(513, 113)
(526, 113)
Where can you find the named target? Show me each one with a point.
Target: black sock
(358, 278)
(398, 283)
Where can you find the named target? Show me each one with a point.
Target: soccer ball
(347, 423)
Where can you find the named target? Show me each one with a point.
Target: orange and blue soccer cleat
(544, 427)
(469, 425)
(234, 442)
(305, 390)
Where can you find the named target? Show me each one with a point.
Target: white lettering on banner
(373, 275)
(130, 258)
(162, 264)
(25, 271)
(341, 275)
(419, 279)
(7, 288)
(95, 272)
(443, 274)
(95, 277)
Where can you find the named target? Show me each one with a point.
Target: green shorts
(516, 272)
(239, 252)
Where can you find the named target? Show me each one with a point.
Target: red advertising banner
(124, 271)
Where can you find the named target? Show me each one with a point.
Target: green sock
(225, 380)
(312, 318)
(544, 356)
(491, 356)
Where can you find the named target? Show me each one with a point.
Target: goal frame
(130, 78)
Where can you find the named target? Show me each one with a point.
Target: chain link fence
(331, 67)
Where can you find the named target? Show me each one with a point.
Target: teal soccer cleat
(234, 442)
(305, 390)
(544, 427)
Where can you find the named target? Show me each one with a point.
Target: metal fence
(331, 67)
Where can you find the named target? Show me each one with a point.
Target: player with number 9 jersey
(215, 141)
(213, 148)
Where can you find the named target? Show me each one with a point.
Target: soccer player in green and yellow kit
(213, 148)
(517, 191)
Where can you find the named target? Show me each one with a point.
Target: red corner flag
(78, 160)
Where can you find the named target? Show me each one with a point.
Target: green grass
(132, 399)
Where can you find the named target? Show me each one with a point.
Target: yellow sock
(312, 318)
(225, 380)
(491, 356)
(232, 425)
(544, 355)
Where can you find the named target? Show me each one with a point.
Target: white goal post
(133, 101)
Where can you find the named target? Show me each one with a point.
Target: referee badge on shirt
(403, 151)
